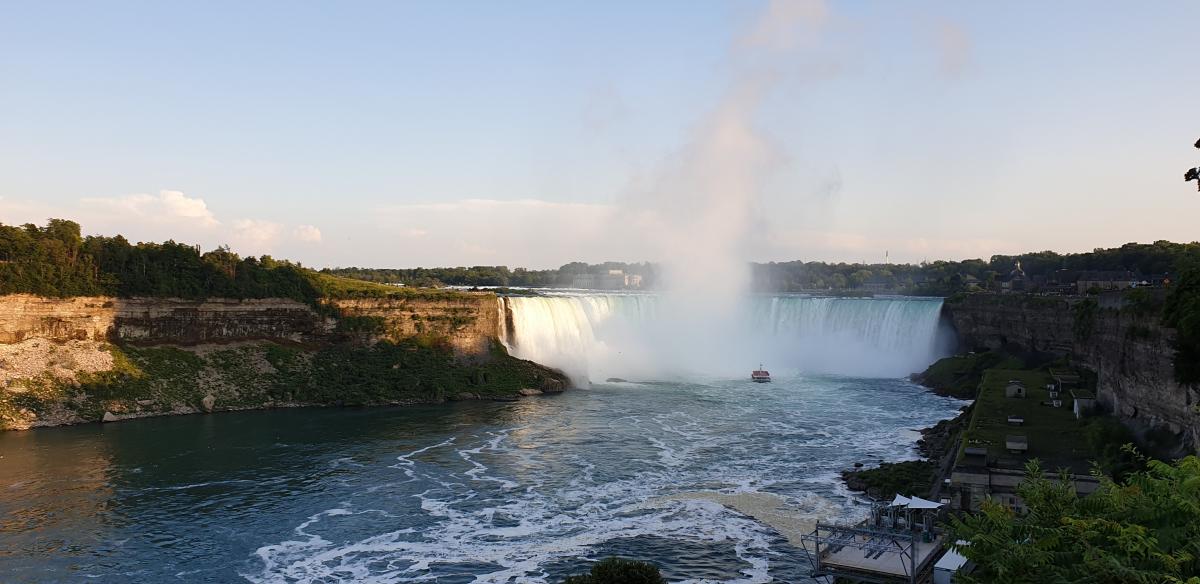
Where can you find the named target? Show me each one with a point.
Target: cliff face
(66, 361)
(471, 323)
(1131, 355)
(468, 322)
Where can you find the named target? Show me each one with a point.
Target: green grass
(335, 287)
(1055, 436)
(959, 376)
(912, 477)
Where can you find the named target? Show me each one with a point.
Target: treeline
(56, 260)
(943, 278)
(939, 278)
(501, 276)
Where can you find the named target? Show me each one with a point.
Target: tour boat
(760, 375)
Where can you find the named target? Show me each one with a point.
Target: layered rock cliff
(84, 359)
(468, 321)
(1131, 354)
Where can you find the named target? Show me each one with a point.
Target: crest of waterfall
(593, 337)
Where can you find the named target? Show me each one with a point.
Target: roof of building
(951, 560)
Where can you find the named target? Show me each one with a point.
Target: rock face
(1131, 355)
(75, 360)
(469, 322)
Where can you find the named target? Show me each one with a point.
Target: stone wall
(1131, 355)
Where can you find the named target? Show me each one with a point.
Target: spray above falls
(593, 337)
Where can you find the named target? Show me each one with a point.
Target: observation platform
(884, 549)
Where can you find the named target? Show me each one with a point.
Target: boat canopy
(899, 501)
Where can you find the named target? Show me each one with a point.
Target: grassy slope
(959, 376)
(1055, 436)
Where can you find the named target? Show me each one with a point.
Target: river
(525, 491)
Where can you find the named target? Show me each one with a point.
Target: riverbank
(938, 443)
(46, 383)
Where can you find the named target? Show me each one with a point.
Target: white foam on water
(484, 505)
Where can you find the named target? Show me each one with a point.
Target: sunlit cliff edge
(94, 358)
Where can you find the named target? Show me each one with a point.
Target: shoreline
(464, 397)
(937, 445)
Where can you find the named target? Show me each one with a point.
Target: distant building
(1014, 389)
(1106, 280)
(613, 280)
(1016, 280)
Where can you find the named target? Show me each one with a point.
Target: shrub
(619, 571)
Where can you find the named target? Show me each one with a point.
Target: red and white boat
(760, 375)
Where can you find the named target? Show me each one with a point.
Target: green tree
(1182, 312)
(619, 571)
(1144, 530)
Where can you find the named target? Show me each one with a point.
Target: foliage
(1055, 436)
(1108, 438)
(497, 276)
(56, 260)
(619, 571)
(959, 376)
(913, 477)
(1141, 302)
(1085, 314)
(163, 379)
(1145, 529)
(1182, 312)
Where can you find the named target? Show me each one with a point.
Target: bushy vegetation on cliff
(161, 380)
(499, 276)
(1182, 312)
(1144, 529)
(56, 260)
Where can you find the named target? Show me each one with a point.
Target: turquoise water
(522, 491)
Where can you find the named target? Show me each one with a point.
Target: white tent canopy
(919, 503)
(913, 503)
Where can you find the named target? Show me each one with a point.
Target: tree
(1182, 312)
(1144, 530)
(619, 571)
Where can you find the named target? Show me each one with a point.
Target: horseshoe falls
(594, 337)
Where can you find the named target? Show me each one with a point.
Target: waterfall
(596, 336)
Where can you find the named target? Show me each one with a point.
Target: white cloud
(307, 234)
(256, 233)
(167, 205)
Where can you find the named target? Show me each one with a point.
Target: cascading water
(593, 337)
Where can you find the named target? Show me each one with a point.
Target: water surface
(525, 491)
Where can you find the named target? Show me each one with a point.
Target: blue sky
(534, 133)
